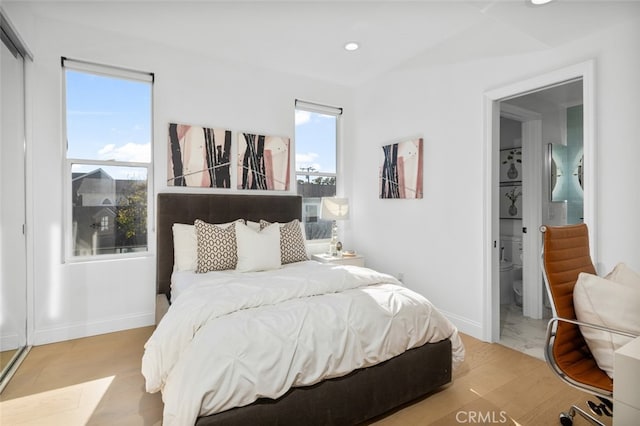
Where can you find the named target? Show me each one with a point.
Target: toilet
(517, 283)
(506, 278)
(517, 292)
(511, 270)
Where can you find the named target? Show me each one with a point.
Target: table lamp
(334, 208)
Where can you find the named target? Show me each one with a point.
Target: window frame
(68, 255)
(336, 112)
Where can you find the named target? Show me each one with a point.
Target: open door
(532, 130)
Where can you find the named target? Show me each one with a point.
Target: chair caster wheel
(566, 419)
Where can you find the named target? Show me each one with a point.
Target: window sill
(108, 257)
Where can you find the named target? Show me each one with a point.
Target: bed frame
(355, 398)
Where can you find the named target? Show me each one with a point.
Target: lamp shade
(334, 208)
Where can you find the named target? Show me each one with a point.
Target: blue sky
(108, 118)
(315, 141)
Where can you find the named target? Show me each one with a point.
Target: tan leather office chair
(565, 255)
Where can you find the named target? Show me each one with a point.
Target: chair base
(566, 418)
(605, 407)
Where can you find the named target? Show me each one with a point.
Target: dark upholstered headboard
(213, 208)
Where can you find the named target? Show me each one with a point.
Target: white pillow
(185, 247)
(624, 275)
(258, 251)
(253, 225)
(611, 304)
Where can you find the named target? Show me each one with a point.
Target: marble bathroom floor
(523, 334)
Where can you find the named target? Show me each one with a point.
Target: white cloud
(107, 149)
(302, 117)
(306, 160)
(135, 152)
(308, 157)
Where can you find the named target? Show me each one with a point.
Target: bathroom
(560, 114)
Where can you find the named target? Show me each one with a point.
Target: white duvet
(231, 338)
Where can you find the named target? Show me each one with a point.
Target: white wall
(79, 299)
(437, 242)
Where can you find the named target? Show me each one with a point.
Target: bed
(344, 396)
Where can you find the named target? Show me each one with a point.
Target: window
(104, 223)
(108, 158)
(316, 162)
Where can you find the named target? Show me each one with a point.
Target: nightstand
(356, 260)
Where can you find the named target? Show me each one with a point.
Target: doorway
(540, 151)
(521, 102)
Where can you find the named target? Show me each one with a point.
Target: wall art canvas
(511, 164)
(401, 170)
(510, 201)
(199, 156)
(263, 162)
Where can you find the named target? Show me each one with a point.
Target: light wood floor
(97, 381)
(6, 357)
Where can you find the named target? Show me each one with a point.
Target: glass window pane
(108, 118)
(109, 213)
(316, 147)
(109, 124)
(315, 142)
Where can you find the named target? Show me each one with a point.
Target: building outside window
(104, 223)
(316, 138)
(108, 162)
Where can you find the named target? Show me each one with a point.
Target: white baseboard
(79, 330)
(465, 325)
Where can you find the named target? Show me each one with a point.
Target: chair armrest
(555, 320)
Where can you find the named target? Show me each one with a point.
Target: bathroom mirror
(565, 161)
(565, 173)
(557, 158)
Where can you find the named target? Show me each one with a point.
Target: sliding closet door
(13, 280)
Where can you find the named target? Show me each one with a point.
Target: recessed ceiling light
(351, 46)
(539, 2)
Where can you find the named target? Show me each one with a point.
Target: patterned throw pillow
(292, 244)
(217, 247)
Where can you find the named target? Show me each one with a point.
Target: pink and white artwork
(199, 156)
(263, 162)
(401, 170)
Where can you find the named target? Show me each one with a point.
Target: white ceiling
(565, 94)
(307, 37)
